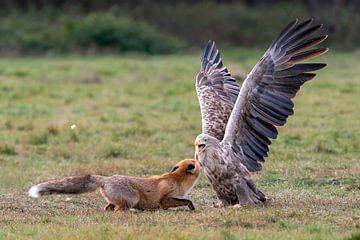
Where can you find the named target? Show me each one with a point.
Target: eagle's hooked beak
(199, 146)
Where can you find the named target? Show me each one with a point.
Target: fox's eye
(174, 169)
(190, 168)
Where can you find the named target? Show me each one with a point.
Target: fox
(122, 193)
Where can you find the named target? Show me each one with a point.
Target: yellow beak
(196, 143)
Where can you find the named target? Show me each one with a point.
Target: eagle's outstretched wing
(217, 92)
(265, 97)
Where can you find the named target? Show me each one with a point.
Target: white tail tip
(34, 192)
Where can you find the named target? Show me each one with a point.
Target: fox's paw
(109, 207)
(191, 206)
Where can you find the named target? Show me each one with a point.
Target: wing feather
(265, 99)
(217, 92)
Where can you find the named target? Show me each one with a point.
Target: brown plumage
(237, 124)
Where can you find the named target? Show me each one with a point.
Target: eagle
(239, 123)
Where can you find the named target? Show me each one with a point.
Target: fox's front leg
(176, 202)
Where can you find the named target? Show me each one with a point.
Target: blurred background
(164, 26)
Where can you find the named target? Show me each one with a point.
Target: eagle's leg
(247, 192)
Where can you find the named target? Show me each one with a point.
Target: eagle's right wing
(217, 92)
(264, 100)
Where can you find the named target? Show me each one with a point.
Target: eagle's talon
(218, 205)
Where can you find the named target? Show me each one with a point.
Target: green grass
(139, 115)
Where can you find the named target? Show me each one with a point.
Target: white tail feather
(34, 191)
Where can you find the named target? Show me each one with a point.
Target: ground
(139, 115)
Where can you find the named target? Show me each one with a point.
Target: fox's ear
(190, 168)
(174, 169)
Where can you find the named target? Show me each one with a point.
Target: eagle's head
(204, 145)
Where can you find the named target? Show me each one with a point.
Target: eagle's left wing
(217, 92)
(264, 100)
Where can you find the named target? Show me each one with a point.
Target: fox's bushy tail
(68, 185)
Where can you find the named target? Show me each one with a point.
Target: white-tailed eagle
(238, 123)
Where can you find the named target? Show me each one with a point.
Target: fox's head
(186, 173)
(187, 167)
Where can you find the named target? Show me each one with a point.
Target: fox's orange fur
(124, 192)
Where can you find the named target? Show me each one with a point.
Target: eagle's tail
(248, 193)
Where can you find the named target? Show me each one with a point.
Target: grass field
(139, 115)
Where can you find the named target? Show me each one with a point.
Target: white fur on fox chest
(185, 195)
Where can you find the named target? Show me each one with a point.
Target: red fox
(125, 192)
